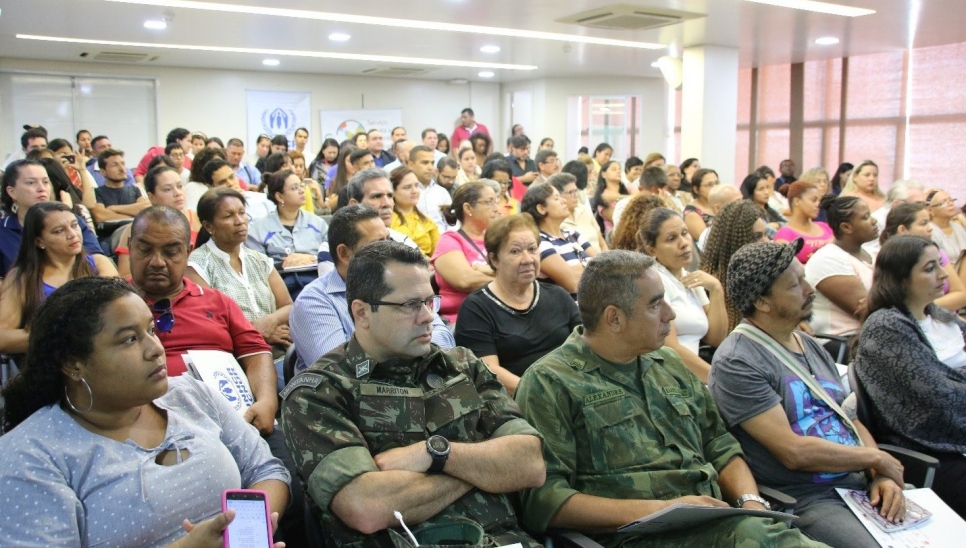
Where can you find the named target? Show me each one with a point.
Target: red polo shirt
(142, 168)
(205, 319)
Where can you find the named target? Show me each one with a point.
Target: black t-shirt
(125, 195)
(488, 326)
(528, 166)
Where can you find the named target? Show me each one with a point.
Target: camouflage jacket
(647, 430)
(346, 408)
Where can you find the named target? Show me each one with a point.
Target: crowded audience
(515, 320)
(841, 271)
(384, 344)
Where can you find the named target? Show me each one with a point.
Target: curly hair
(627, 234)
(72, 316)
(730, 231)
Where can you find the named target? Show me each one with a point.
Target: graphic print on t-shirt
(816, 419)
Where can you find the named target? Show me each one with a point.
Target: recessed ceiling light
(286, 53)
(391, 22)
(486, 74)
(655, 64)
(818, 7)
(490, 49)
(339, 37)
(155, 24)
(827, 41)
(270, 62)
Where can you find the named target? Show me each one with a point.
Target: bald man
(721, 195)
(401, 150)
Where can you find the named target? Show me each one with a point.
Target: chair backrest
(862, 405)
(837, 347)
(288, 364)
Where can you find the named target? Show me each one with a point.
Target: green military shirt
(647, 430)
(346, 408)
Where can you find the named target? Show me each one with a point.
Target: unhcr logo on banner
(279, 121)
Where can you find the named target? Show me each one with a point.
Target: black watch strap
(438, 463)
(439, 455)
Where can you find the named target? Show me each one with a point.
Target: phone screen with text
(249, 528)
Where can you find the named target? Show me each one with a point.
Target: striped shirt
(572, 248)
(249, 288)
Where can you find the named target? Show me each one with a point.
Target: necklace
(510, 310)
(798, 342)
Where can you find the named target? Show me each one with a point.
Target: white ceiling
(764, 34)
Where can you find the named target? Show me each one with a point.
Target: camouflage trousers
(737, 532)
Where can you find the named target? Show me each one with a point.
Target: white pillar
(709, 108)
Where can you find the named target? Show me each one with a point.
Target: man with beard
(779, 393)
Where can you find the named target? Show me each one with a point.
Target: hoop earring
(14, 207)
(90, 394)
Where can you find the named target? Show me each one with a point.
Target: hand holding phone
(252, 526)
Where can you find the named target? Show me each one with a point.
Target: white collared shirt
(431, 198)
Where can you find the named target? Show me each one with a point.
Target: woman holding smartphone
(102, 448)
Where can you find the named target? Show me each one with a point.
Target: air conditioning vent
(628, 17)
(395, 71)
(120, 57)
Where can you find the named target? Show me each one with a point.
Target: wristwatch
(749, 497)
(438, 449)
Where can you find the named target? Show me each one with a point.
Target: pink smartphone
(252, 526)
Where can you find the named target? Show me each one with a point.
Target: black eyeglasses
(413, 307)
(165, 322)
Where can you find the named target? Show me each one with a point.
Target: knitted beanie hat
(755, 267)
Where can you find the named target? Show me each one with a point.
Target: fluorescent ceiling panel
(818, 7)
(285, 52)
(391, 22)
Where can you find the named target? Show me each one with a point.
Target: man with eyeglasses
(390, 423)
(320, 318)
(189, 317)
(178, 156)
(446, 170)
(547, 165)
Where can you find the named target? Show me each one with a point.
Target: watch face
(438, 444)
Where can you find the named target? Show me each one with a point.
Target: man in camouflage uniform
(362, 420)
(628, 430)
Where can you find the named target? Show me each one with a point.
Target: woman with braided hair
(736, 225)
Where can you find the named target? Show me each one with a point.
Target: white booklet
(682, 516)
(222, 374)
(944, 529)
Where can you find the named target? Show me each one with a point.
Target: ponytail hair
(467, 193)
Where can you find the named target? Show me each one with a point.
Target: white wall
(550, 108)
(213, 101)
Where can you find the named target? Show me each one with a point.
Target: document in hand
(222, 374)
(682, 516)
(944, 529)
